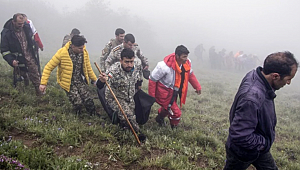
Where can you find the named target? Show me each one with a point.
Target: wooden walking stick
(136, 137)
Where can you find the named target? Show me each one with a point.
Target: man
(120, 33)
(73, 73)
(212, 57)
(252, 115)
(18, 49)
(123, 78)
(168, 80)
(141, 62)
(199, 51)
(68, 38)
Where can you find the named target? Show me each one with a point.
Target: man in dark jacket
(252, 115)
(18, 49)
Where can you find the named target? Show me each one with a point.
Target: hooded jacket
(162, 81)
(252, 117)
(65, 68)
(10, 45)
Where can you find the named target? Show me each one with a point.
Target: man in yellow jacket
(73, 73)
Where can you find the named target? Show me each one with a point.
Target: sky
(254, 26)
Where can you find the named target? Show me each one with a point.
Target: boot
(123, 125)
(142, 137)
(77, 110)
(160, 120)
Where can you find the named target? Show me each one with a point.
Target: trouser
(263, 162)
(175, 118)
(128, 108)
(32, 72)
(79, 95)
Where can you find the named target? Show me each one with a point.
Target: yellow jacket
(65, 68)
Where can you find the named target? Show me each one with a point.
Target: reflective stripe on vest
(5, 53)
(174, 118)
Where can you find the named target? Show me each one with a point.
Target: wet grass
(44, 133)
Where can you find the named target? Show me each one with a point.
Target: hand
(146, 68)
(103, 78)
(43, 88)
(42, 49)
(198, 92)
(15, 63)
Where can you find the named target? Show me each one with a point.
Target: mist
(253, 26)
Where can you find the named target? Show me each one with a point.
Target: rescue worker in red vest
(169, 80)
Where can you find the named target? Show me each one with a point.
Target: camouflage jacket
(105, 52)
(122, 83)
(115, 56)
(77, 60)
(66, 39)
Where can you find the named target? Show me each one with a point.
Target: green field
(44, 133)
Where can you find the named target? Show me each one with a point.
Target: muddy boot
(160, 120)
(93, 112)
(124, 125)
(142, 137)
(77, 111)
(90, 107)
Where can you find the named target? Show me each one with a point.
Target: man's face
(127, 64)
(76, 49)
(120, 38)
(128, 45)
(19, 23)
(181, 59)
(280, 82)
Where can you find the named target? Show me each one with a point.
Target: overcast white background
(255, 26)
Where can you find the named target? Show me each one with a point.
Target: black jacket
(10, 46)
(252, 118)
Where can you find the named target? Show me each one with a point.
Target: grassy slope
(45, 134)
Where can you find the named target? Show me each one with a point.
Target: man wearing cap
(120, 34)
(141, 62)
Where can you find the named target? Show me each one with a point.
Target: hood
(170, 60)
(8, 24)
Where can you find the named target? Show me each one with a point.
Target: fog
(254, 26)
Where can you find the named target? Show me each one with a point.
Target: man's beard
(127, 69)
(18, 29)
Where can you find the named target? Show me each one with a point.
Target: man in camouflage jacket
(120, 33)
(141, 62)
(124, 79)
(68, 37)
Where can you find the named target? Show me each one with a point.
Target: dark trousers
(263, 162)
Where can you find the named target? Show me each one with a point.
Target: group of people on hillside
(229, 61)
(238, 61)
(124, 68)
